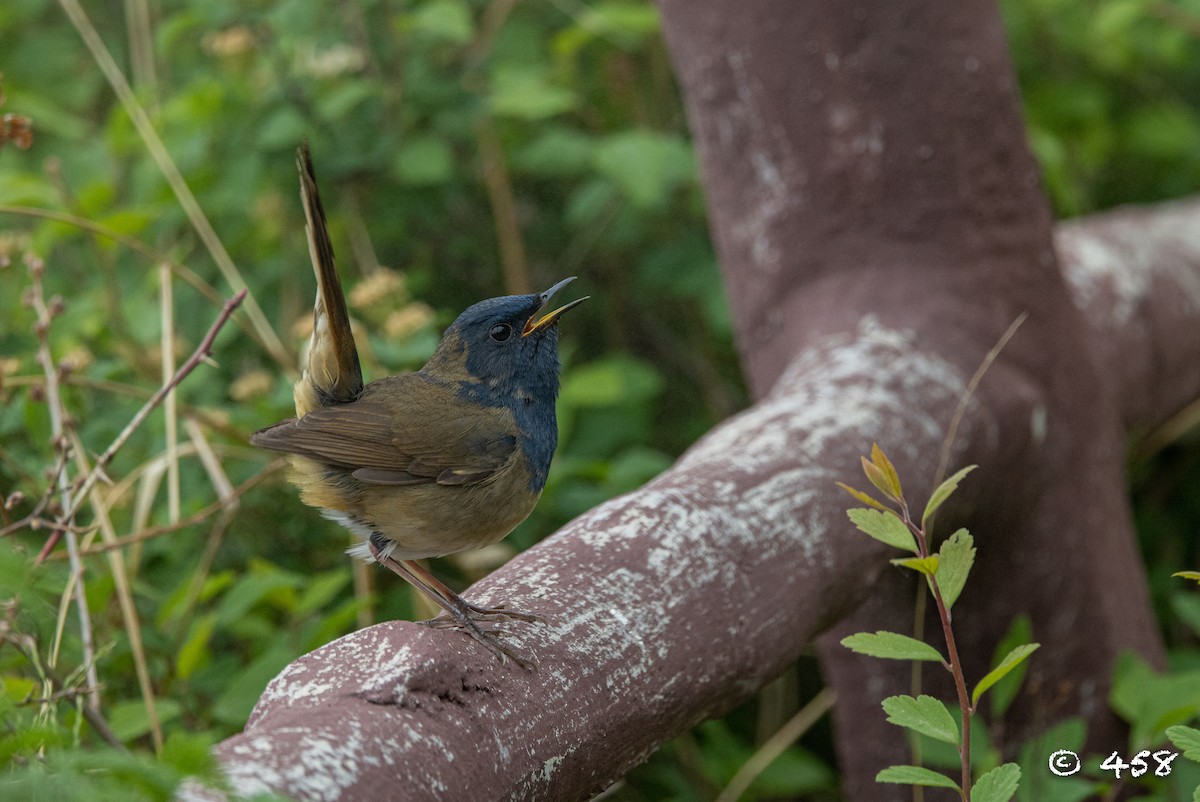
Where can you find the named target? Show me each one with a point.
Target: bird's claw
(488, 637)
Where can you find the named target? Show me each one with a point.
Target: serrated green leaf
(889, 470)
(1010, 661)
(914, 775)
(924, 714)
(891, 646)
(1187, 739)
(922, 565)
(942, 493)
(861, 496)
(884, 527)
(957, 555)
(998, 785)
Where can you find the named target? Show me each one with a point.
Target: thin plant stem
(954, 664)
(170, 403)
(166, 165)
(137, 246)
(498, 184)
(199, 355)
(124, 594)
(194, 518)
(968, 392)
(58, 424)
(775, 746)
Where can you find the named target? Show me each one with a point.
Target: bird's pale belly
(426, 520)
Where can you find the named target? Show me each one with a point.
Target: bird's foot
(500, 611)
(470, 624)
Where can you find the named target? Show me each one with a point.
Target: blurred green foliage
(465, 149)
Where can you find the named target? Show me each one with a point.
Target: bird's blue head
(505, 350)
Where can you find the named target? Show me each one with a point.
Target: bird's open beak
(546, 321)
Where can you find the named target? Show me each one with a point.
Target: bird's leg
(458, 609)
(480, 613)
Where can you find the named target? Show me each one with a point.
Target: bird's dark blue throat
(494, 363)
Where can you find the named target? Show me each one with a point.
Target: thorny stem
(199, 355)
(954, 666)
(59, 420)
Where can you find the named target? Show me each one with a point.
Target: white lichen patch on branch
(1124, 253)
(317, 766)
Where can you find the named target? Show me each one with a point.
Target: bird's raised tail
(332, 374)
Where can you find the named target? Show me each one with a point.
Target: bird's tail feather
(332, 373)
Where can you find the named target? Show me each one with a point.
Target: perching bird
(423, 464)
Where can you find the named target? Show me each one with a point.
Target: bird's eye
(500, 332)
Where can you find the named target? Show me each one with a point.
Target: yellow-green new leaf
(878, 478)
(1010, 661)
(942, 493)
(998, 785)
(1186, 739)
(891, 646)
(861, 496)
(915, 775)
(1192, 575)
(885, 527)
(956, 556)
(924, 714)
(889, 471)
(922, 565)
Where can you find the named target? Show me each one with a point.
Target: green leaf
(448, 20)
(195, 648)
(130, 719)
(861, 496)
(891, 646)
(423, 161)
(321, 590)
(885, 527)
(957, 555)
(942, 493)
(646, 166)
(526, 93)
(998, 785)
(1150, 701)
(1005, 691)
(914, 775)
(1010, 661)
(922, 565)
(1187, 739)
(616, 381)
(889, 470)
(1193, 575)
(879, 478)
(924, 714)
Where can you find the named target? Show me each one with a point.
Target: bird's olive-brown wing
(402, 430)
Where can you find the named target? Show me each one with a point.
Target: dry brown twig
(201, 354)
